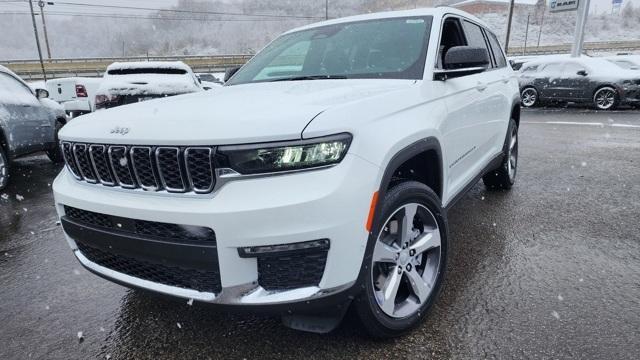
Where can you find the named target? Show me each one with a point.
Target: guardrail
(63, 67)
(600, 46)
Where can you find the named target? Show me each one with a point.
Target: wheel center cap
(404, 257)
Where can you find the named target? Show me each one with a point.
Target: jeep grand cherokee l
(323, 176)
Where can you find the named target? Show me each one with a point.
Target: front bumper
(331, 203)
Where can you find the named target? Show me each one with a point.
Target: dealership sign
(563, 5)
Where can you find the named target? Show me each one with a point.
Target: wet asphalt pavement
(548, 270)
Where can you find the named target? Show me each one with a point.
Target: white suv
(320, 173)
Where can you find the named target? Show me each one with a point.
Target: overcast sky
(597, 6)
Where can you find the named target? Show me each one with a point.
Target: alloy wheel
(406, 260)
(605, 98)
(529, 97)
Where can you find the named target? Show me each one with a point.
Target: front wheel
(4, 169)
(406, 264)
(605, 98)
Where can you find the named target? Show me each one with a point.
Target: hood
(229, 115)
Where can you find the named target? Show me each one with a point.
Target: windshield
(382, 48)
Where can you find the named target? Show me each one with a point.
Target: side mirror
(42, 93)
(582, 73)
(463, 60)
(230, 72)
(199, 80)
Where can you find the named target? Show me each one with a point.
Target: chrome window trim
(211, 167)
(135, 171)
(180, 169)
(75, 155)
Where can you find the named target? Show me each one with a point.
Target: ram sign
(563, 5)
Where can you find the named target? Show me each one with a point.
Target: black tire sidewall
(55, 153)
(616, 98)
(4, 157)
(376, 321)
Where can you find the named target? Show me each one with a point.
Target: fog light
(255, 251)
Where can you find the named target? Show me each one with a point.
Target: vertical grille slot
(67, 153)
(121, 166)
(170, 169)
(99, 158)
(82, 158)
(199, 169)
(141, 158)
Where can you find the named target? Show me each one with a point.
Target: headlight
(284, 156)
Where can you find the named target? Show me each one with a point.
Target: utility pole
(581, 22)
(506, 42)
(541, 23)
(35, 31)
(41, 3)
(526, 36)
(326, 9)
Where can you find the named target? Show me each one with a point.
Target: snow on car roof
(437, 11)
(595, 63)
(150, 65)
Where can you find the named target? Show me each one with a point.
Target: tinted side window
(571, 69)
(552, 69)
(14, 92)
(474, 35)
(497, 50)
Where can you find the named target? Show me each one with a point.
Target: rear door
(574, 81)
(27, 121)
(547, 81)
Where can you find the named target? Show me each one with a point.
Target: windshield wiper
(311, 77)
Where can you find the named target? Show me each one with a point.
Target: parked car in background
(75, 94)
(629, 62)
(320, 174)
(209, 81)
(132, 82)
(29, 122)
(583, 80)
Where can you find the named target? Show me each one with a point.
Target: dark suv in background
(28, 124)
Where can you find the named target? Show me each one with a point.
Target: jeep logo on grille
(120, 130)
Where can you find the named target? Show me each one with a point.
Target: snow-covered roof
(506, 2)
(150, 65)
(435, 12)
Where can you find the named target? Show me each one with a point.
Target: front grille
(158, 230)
(291, 270)
(178, 169)
(187, 278)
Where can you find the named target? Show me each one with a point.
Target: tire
(4, 169)
(505, 175)
(605, 98)
(424, 258)
(55, 153)
(529, 96)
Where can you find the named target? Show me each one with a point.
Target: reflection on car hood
(230, 115)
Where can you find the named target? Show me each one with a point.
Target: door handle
(505, 79)
(481, 86)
